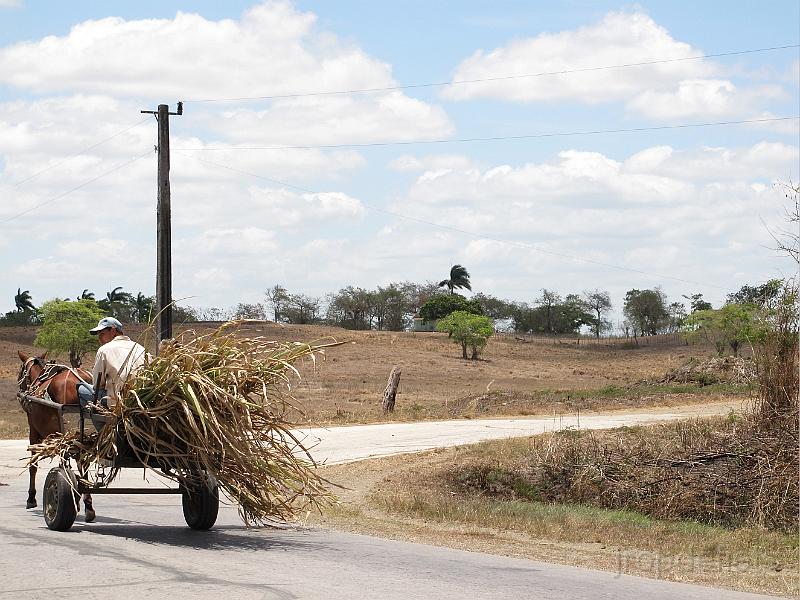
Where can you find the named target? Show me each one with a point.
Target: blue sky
(688, 209)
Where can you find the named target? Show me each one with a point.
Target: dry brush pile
(216, 403)
(736, 471)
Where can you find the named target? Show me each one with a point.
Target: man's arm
(98, 372)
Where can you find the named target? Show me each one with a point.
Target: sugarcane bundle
(221, 404)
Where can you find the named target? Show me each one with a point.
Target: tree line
(394, 306)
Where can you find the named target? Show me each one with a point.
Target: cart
(64, 484)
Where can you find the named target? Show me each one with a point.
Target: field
(513, 377)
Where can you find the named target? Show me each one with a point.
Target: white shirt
(115, 362)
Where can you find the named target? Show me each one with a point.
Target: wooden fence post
(391, 390)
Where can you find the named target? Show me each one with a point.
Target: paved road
(140, 547)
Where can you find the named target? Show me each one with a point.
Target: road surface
(139, 547)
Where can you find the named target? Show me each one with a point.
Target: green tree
(697, 302)
(86, 295)
(647, 310)
(391, 308)
(757, 294)
(65, 328)
(459, 278)
(495, 307)
(467, 329)
(144, 308)
(442, 305)
(726, 327)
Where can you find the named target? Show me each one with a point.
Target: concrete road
(139, 546)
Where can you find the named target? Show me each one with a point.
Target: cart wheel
(200, 498)
(60, 502)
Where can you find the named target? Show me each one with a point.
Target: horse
(61, 384)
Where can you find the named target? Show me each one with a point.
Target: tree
(547, 301)
(277, 298)
(65, 328)
(600, 303)
(676, 315)
(459, 278)
(495, 307)
(351, 308)
(250, 311)
(570, 315)
(390, 308)
(86, 295)
(119, 304)
(729, 326)
(646, 310)
(757, 294)
(788, 241)
(697, 302)
(442, 305)
(467, 329)
(143, 308)
(301, 310)
(24, 302)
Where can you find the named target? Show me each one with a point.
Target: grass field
(513, 377)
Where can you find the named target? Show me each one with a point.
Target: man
(117, 359)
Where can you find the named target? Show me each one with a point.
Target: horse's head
(32, 367)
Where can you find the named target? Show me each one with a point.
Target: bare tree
(599, 302)
(788, 240)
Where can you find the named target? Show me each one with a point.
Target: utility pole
(163, 224)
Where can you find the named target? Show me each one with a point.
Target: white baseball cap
(105, 323)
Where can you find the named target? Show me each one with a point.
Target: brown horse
(36, 378)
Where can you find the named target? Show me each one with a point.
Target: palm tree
(143, 307)
(86, 295)
(115, 302)
(24, 301)
(459, 278)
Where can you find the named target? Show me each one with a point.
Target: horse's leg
(34, 438)
(88, 509)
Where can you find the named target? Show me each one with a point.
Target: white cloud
(619, 38)
(10, 3)
(411, 163)
(273, 49)
(701, 98)
(763, 160)
(667, 90)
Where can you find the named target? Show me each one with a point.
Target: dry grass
(532, 378)
(725, 472)
(412, 498)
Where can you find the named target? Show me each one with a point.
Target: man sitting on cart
(117, 359)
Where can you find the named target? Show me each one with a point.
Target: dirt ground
(513, 377)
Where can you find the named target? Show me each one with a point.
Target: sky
(526, 141)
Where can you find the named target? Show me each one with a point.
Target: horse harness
(39, 386)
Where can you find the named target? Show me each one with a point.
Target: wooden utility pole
(164, 224)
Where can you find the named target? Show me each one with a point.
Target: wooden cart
(65, 484)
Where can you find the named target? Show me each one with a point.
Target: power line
(76, 188)
(472, 234)
(92, 147)
(497, 138)
(497, 78)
